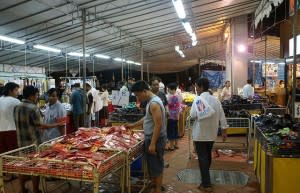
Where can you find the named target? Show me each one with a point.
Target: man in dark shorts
(154, 130)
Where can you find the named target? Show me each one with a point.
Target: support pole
(66, 65)
(294, 57)
(84, 63)
(148, 78)
(142, 61)
(122, 62)
(265, 83)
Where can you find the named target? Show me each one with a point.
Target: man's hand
(129, 125)
(152, 149)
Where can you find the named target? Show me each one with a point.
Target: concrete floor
(178, 160)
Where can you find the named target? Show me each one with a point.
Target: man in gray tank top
(154, 124)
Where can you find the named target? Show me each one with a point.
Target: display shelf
(24, 161)
(275, 111)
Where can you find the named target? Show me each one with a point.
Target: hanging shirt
(52, 113)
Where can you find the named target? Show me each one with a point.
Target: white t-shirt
(248, 91)
(96, 100)
(226, 93)
(7, 106)
(104, 97)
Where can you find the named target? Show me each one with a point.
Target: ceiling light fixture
(188, 28)
(78, 54)
(130, 62)
(47, 48)
(8, 39)
(179, 8)
(119, 59)
(180, 52)
(102, 56)
(136, 63)
(194, 43)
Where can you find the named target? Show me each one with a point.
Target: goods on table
(126, 115)
(188, 97)
(76, 155)
(279, 135)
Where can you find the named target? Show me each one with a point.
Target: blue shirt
(77, 101)
(53, 112)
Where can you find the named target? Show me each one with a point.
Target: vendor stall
(276, 155)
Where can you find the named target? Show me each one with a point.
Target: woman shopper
(226, 92)
(173, 111)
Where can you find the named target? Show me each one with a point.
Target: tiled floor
(179, 160)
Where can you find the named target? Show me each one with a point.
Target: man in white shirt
(208, 112)
(248, 90)
(8, 137)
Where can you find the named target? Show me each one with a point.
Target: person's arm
(223, 123)
(157, 118)
(136, 124)
(62, 113)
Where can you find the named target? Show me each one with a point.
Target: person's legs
(209, 150)
(35, 184)
(22, 183)
(75, 122)
(204, 163)
(81, 120)
(96, 124)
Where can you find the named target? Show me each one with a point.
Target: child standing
(173, 110)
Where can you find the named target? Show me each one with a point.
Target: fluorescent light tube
(8, 39)
(194, 43)
(136, 63)
(194, 37)
(102, 56)
(130, 62)
(119, 59)
(179, 8)
(177, 48)
(47, 48)
(188, 28)
(78, 54)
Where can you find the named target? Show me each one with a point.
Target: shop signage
(297, 110)
(270, 70)
(120, 98)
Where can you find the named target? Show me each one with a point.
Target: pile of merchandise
(130, 113)
(188, 98)
(279, 135)
(78, 153)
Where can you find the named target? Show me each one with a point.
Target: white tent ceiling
(115, 25)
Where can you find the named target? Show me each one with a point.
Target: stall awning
(264, 9)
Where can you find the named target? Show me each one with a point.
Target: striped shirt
(28, 121)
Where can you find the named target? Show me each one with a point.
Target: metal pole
(49, 64)
(84, 63)
(66, 65)
(93, 66)
(148, 72)
(294, 57)
(265, 66)
(142, 61)
(122, 62)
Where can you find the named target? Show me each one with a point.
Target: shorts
(8, 141)
(172, 129)
(104, 113)
(155, 163)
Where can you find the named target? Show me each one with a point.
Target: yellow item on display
(236, 131)
(188, 97)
